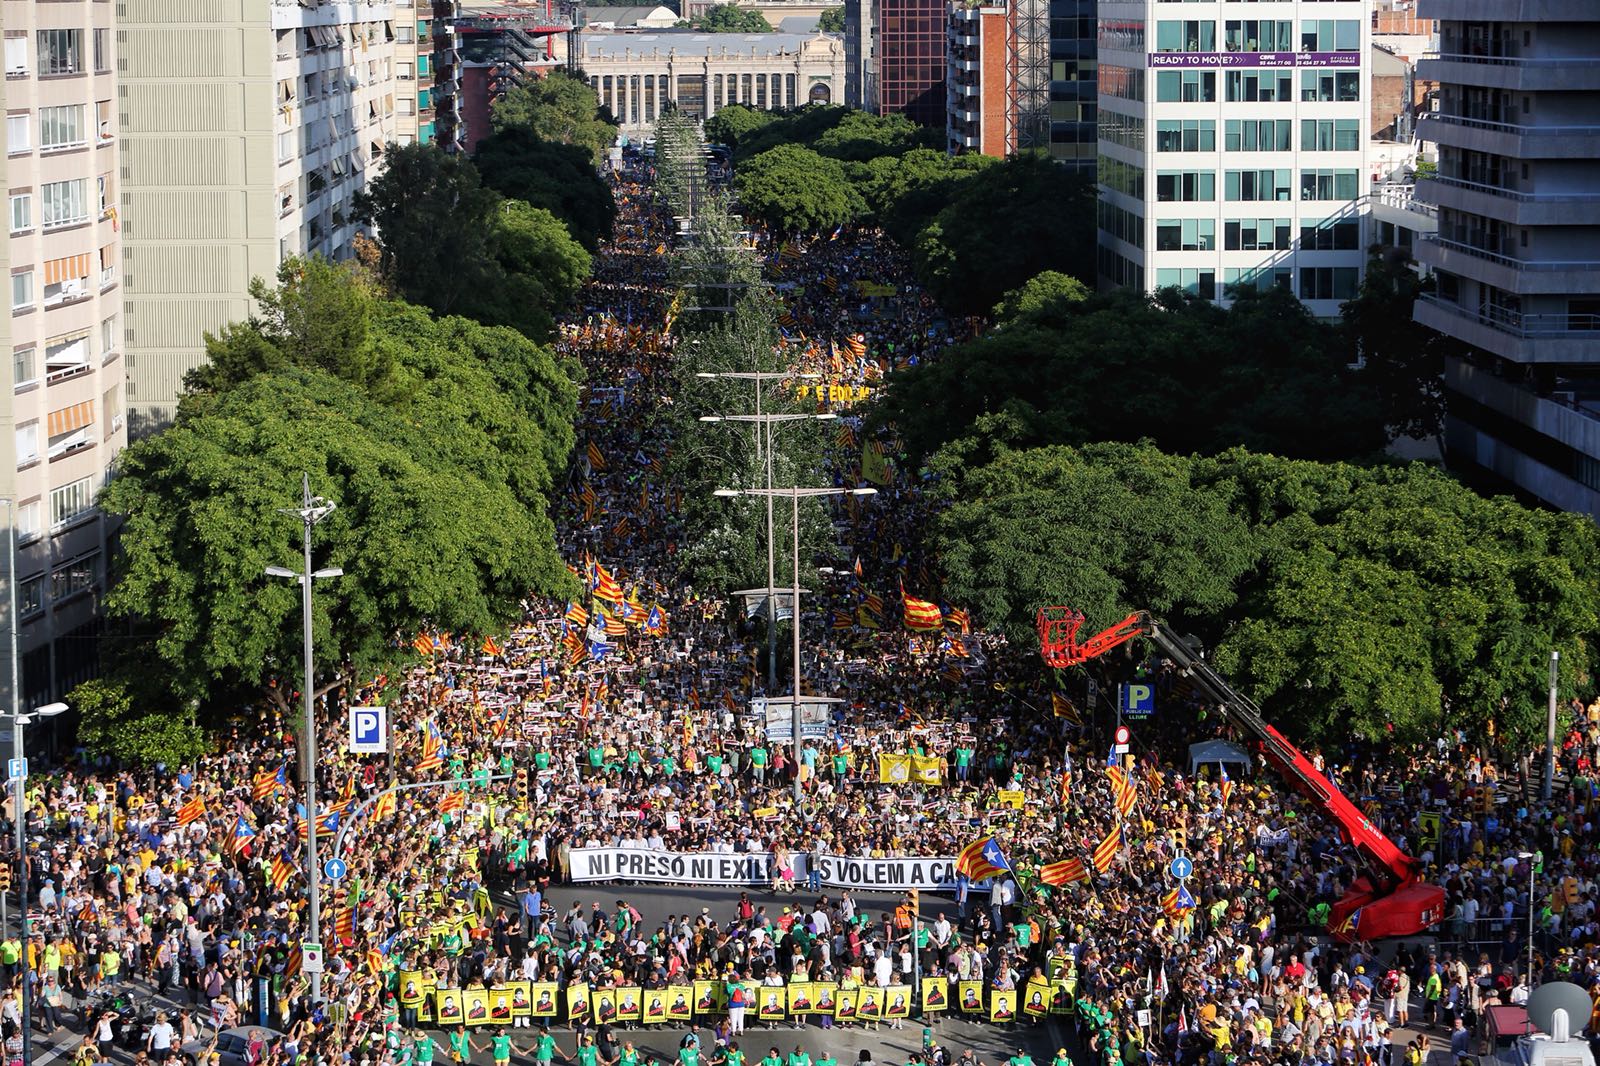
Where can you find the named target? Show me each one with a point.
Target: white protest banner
(891, 875)
(677, 867)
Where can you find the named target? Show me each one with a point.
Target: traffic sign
(334, 869)
(310, 957)
(1136, 699)
(16, 768)
(1122, 739)
(369, 730)
(1181, 868)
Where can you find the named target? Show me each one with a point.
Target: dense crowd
(188, 881)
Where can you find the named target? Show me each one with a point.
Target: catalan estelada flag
(1063, 873)
(603, 585)
(1177, 902)
(453, 801)
(1122, 790)
(432, 750)
(920, 614)
(597, 461)
(1105, 852)
(191, 811)
(282, 870)
(1064, 708)
(239, 839)
(384, 807)
(960, 619)
(266, 782)
(492, 647)
(344, 926)
(577, 615)
(1227, 784)
(982, 859)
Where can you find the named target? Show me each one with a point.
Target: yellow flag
(894, 768)
(927, 769)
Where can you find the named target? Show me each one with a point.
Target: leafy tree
(1404, 360)
(1040, 297)
(560, 178)
(1007, 224)
(832, 20)
(859, 136)
(731, 18)
(112, 723)
(544, 269)
(905, 192)
(558, 108)
(436, 225)
(736, 121)
(795, 190)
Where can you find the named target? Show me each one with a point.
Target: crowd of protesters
(187, 883)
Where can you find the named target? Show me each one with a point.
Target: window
(65, 203)
(1329, 184)
(27, 443)
(1330, 135)
(80, 575)
(16, 56)
(1258, 185)
(21, 212)
(102, 52)
(28, 518)
(1120, 223)
(1257, 135)
(1117, 176)
(1328, 283)
(1186, 185)
(1186, 135)
(404, 34)
(24, 368)
(1328, 35)
(108, 336)
(1330, 235)
(62, 127)
(424, 99)
(402, 70)
(1326, 86)
(1256, 234)
(103, 195)
(285, 146)
(1186, 86)
(102, 119)
(1123, 82)
(30, 597)
(406, 107)
(1259, 278)
(1263, 86)
(1258, 35)
(21, 291)
(65, 354)
(70, 501)
(60, 52)
(65, 279)
(1186, 234)
(18, 138)
(424, 68)
(1186, 36)
(1196, 281)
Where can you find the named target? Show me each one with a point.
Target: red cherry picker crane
(1390, 899)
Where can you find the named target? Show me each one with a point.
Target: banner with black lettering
(712, 868)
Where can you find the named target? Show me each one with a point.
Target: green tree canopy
(733, 123)
(560, 178)
(1403, 359)
(905, 192)
(795, 190)
(832, 20)
(558, 108)
(731, 18)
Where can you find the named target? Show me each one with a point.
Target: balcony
(1565, 74)
(1521, 276)
(1511, 335)
(1511, 206)
(1510, 139)
(1508, 10)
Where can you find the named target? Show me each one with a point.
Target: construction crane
(1390, 899)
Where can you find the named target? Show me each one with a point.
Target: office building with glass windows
(1232, 146)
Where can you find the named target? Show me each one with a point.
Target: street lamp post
(20, 810)
(795, 495)
(312, 510)
(1528, 857)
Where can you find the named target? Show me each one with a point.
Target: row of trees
(976, 227)
(415, 390)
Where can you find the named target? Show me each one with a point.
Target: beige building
(65, 416)
(636, 74)
(247, 127)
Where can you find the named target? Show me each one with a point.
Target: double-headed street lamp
(312, 510)
(19, 804)
(795, 494)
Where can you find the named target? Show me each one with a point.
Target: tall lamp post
(312, 510)
(795, 495)
(1528, 857)
(20, 810)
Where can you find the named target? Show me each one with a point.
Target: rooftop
(695, 43)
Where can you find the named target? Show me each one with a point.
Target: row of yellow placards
(682, 1003)
(835, 393)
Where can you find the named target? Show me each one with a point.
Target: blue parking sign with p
(1137, 699)
(369, 730)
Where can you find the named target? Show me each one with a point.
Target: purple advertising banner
(1197, 60)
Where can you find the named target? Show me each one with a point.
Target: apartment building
(1517, 252)
(65, 410)
(981, 84)
(1232, 146)
(246, 128)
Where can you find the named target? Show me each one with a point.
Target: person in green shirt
(758, 764)
(1062, 1058)
(772, 1058)
(689, 1055)
(586, 1054)
(798, 1057)
(732, 1056)
(541, 760)
(964, 755)
(422, 1048)
(628, 1056)
(460, 1046)
(825, 1059)
(544, 1050)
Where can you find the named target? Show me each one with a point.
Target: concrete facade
(1233, 146)
(65, 415)
(1518, 199)
(247, 129)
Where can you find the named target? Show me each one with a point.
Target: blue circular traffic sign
(1181, 868)
(334, 869)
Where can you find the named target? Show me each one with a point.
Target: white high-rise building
(1232, 143)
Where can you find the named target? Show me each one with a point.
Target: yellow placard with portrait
(605, 1005)
(578, 1003)
(545, 1004)
(1003, 1005)
(655, 1006)
(771, 1003)
(1036, 997)
(412, 989)
(708, 996)
(824, 996)
(800, 998)
(1061, 997)
(869, 1008)
(475, 1004)
(447, 1008)
(630, 1005)
(680, 1002)
(521, 999)
(970, 995)
(935, 995)
(897, 1002)
(845, 1001)
(500, 1005)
